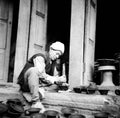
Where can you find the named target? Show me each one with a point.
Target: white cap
(58, 46)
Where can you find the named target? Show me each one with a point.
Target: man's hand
(57, 79)
(52, 79)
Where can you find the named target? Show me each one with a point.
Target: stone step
(85, 103)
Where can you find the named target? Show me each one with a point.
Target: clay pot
(14, 101)
(63, 86)
(68, 111)
(117, 91)
(83, 89)
(15, 108)
(38, 115)
(52, 114)
(13, 114)
(3, 108)
(32, 111)
(80, 89)
(76, 116)
(77, 89)
(106, 62)
(101, 115)
(23, 116)
(103, 91)
(90, 91)
(106, 67)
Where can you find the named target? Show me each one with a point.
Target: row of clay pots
(67, 113)
(93, 91)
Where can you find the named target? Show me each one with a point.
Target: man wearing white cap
(38, 68)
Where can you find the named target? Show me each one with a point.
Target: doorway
(13, 39)
(58, 26)
(107, 33)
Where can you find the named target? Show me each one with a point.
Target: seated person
(38, 68)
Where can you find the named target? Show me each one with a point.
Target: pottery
(25, 117)
(103, 91)
(83, 89)
(91, 91)
(68, 111)
(76, 116)
(14, 108)
(105, 62)
(14, 101)
(32, 111)
(77, 89)
(63, 86)
(3, 108)
(80, 89)
(13, 114)
(117, 91)
(101, 115)
(38, 115)
(51, 114)
(106, 67)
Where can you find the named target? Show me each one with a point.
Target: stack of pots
(107, 68)
(12, 108)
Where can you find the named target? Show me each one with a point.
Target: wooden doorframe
(89, 43)
(37, 38)
(6, 38)
(9, 31)
(76, 43)
(82, 34)
(22, 37)
(25, 38)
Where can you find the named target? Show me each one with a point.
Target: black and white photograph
(59, 59)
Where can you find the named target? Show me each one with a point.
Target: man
(38, 68)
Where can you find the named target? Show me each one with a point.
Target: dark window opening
(13, 39)
(58, 25)
(107, 32)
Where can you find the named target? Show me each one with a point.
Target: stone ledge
(86, 104)
(9, 91)
(83, 102)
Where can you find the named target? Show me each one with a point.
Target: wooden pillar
(76, 43)
(89, 47)
(22, 37)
